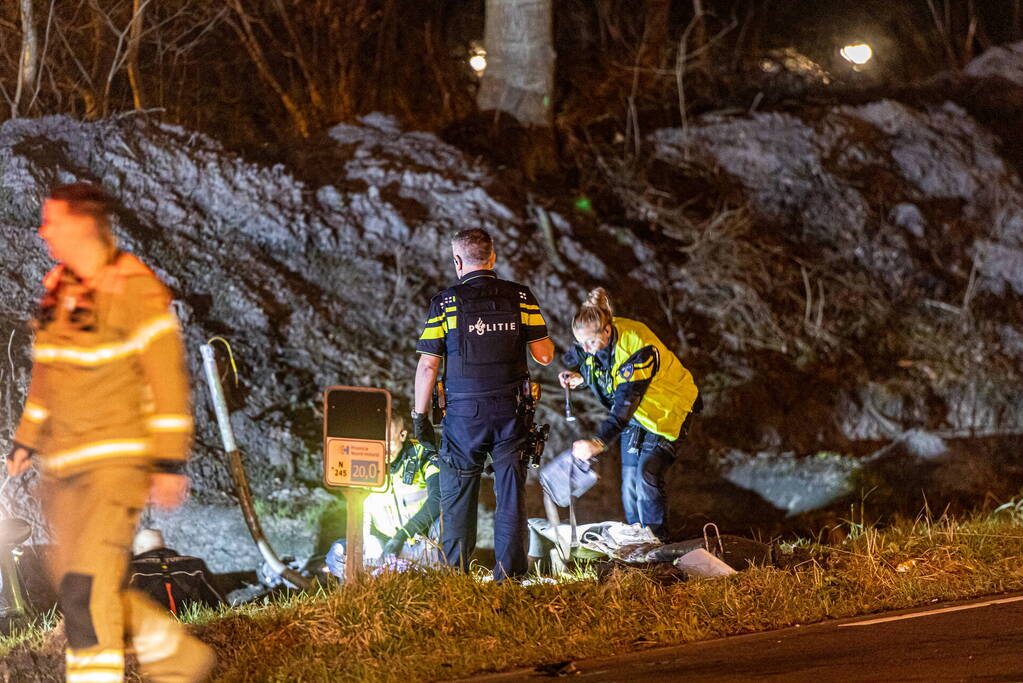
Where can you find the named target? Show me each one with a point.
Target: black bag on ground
(737, 552)
(172, 580)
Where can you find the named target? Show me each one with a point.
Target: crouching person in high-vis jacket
(108, 420)
(400, 519)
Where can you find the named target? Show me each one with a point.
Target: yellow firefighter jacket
(109, 380)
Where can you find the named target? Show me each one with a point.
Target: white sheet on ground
(629, 542)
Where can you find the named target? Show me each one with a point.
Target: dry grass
(440, 625)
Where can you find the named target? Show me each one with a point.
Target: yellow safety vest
(392, 508)
(670, 396)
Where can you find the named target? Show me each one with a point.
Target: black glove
(396, 543)
(422, 430)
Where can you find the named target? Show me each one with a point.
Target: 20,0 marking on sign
(365, 471)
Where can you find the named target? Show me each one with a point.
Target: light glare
(478, 63)
(857, 53)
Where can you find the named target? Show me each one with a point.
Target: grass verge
(441, 625)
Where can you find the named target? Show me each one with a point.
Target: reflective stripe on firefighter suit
(636, 357)
(482, 327)
(107, 406)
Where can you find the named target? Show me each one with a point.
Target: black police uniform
(483, 327)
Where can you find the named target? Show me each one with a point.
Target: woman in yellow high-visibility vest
(650, 397)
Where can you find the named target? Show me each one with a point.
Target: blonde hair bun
(595, 312)
(598, 298)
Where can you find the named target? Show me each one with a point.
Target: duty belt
(507, 391)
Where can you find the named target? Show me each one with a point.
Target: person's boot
(191, 662)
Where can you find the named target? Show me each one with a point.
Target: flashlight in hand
(566, 382)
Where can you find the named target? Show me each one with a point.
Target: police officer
(650, 397)
(108, 417)
(482, 329)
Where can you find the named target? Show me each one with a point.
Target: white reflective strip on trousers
(169, 423)
(101, 449)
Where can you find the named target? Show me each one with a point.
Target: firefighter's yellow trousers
(93, 517)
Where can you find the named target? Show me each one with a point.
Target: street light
(858, 54)
(477, 58)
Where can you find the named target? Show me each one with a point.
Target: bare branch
(243, 27)
(28, 64)
(135, 36)
(119, 57)
(299, 55)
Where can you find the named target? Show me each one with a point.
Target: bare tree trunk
(655, 33)
(96, 101)
(28, 65)
(243, 27)
(134, 38)
(299, 56)
(700, 34)
(519, 79)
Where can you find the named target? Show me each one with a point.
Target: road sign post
(356, 430)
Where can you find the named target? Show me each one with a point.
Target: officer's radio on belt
(409, 463)
(438, 402)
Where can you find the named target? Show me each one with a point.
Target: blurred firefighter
(649, 394)
(108, 417)
(482, 328)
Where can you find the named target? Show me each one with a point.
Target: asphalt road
(975, 641)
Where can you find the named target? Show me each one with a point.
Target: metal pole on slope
(241, 481)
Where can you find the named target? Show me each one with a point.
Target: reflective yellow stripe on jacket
(531, 314)
(105, 450)
(105, 353)
(35, 413)
(169, 423)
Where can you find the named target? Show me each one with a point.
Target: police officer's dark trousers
(474, 427)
